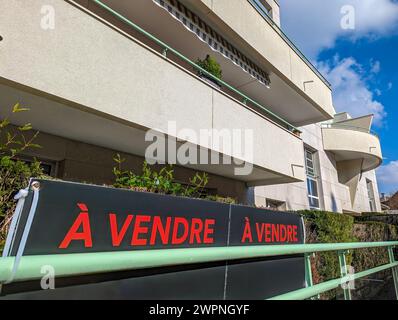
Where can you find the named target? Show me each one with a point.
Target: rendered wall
(106, 73)
(335, 196)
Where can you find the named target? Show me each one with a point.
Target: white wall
(85, 62)
(334, 195)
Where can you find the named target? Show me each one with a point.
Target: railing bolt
(344, 273)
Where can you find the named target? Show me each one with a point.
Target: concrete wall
(243, 19)
(335, 196)
(82, 162)
(88, 63)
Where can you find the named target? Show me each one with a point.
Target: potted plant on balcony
(212, 66)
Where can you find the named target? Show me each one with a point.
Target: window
(371, 195)
(275, 205)
(48, 167)
(312, 179)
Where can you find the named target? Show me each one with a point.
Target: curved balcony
(353, 143)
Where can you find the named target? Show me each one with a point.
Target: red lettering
(289, 233)
(138, 230)
(184, 223)
(73, 234)
(260, 231)
(275, 233)
(209, 230)
(196, 229)
(247, 232)
(295, 239)
(117, 237)
(267, 232)
(158, 227)
(282, 230)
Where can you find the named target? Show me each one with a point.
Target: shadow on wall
(334, 203)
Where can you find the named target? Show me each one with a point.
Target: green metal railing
(29, 267)
(167, 49)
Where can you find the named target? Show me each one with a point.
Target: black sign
(77, 218)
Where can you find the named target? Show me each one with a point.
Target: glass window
(312, 180)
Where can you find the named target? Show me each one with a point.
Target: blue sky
(361, 62)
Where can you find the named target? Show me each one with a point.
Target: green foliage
(371, 214)
(227, 200)
(14, 174)
(328, 227)
(210, 65)
(158, 181)
(372, 231)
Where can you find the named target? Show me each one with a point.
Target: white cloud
(375, 66)
(389, 86)
(387, 176)
(316, 24)
(350, 91)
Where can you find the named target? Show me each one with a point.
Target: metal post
(308, 272)
(344, 273)
(393, 270)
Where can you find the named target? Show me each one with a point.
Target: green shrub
(14, 174)
(328, 227)
(372, 231)
(227, 200)
(158, 182)
(210, 65)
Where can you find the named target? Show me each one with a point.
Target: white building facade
(97, 75)
(327, 186)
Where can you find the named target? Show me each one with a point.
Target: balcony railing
(166, 50)
(264, 13)
(346, 127)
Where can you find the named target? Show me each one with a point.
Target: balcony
(248, 22)
(297, 94)
(353, 143)
(355, 148)
(90, 80)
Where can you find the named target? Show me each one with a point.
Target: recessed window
(275, 205)
(371, 195)
(48, 167)
(312, 179)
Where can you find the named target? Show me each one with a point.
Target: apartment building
(98, 75)
(340, 159)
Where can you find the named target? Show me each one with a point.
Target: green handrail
(91, 263)
(312, 291)
(166, 47)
